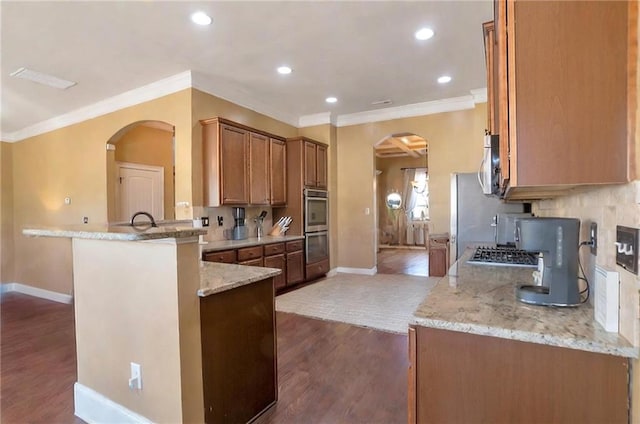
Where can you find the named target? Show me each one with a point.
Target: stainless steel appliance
(557, 241)
(316, 225)
(316, 210)
(504, 256)
(239, 231)
(474, 214)
(489, 173)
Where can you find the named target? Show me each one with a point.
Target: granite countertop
(115, 232)
(480, 299)
(218, 277)
(215, 246)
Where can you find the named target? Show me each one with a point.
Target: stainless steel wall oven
(316, 225)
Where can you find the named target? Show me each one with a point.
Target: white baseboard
(332, 272)
(93, 407)
(364, 271)
(36, 292)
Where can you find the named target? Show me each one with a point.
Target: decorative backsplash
(608, 206)
(216, 232)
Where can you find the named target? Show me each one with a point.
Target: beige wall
(72, 162)
(148, 146)
(455, 145)
(6, 214)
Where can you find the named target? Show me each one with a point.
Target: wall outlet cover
(627, 248)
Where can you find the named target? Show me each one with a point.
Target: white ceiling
(360, 52)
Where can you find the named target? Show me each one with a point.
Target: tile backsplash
(216, 232)
(607, 206)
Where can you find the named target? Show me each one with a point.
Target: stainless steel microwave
(489, 173)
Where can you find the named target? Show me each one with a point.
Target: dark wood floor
(403, 261)
(327, 372)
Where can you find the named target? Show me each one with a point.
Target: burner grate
(504, 256)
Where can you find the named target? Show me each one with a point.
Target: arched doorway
(402, 204)
(140, 171)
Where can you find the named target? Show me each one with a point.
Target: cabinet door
(258, 169)
(277, 261)
(234, 178)
(502, 104)
(310, 171)
(492, 76)
(295, 267)
(278, 171)
(321, 166)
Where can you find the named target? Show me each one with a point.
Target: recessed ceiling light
(424, 34)
(284, 70)
(201, 18)
(444, 79)
(42, 78)
(331, 100)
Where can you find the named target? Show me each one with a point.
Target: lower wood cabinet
(286, 256)
(457, 377)
(317, 269)
(239, 369)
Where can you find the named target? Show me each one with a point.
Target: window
(420, 184)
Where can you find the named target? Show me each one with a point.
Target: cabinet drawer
(253, 262)
(247, 253)
(317, 269)
(295, 245)
(273, 249)
(224, 256)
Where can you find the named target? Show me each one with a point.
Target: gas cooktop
(504, 256)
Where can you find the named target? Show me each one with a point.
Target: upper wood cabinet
(492, 76)
(278, 170)
(566, 94)
(315, 162)
(242, 165)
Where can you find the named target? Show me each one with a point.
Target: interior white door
(139, 188)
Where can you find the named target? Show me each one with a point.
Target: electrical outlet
(593, 238)
(205, 221)
(85, 219)
(627, 248)
(135, 381)
(219, 221)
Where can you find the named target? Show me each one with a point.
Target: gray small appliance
(557, 241)
(239, 231)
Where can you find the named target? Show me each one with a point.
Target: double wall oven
(316, 225)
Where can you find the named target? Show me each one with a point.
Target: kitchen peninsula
(203, 333)
(479, 355)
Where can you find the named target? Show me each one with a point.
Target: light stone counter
(116, 232)
(215, 246)
(218, 277)
(480, 299)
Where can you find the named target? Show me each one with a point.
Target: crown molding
(189, 79)
(242, 98)
(129, 98)
(315, 119)
(407, 111)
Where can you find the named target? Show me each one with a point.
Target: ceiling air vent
(41, 78)
(382, 102)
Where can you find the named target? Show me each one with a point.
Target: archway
(140, 171)
(402, 204)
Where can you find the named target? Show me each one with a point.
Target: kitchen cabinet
(295, 262)
(287, 256)
(274, 257)
(566, 94)
(239, 372)
(462, 377)
(306, 168)
(438, 254)
(315, 164)
(259, 189)
(278, 172)
(492, 76)
(242, 165)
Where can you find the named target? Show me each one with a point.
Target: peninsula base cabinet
(457, 377)
(239, 369)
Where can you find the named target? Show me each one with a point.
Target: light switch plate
(627, 248)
